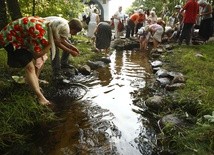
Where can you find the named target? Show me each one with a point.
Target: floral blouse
(28, 32)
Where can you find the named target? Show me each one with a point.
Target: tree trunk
(34, 8)
(14, 9)
(3, 14)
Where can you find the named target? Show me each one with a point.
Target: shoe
(67, 66)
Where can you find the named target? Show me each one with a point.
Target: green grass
(196, 99)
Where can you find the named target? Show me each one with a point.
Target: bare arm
(97, 19)
(67, 47)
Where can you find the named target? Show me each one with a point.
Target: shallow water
(105, 121)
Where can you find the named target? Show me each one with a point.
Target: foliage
(160, 6)
(66, 8)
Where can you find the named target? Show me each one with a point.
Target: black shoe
(67, 66)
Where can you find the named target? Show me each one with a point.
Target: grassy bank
(196, 100)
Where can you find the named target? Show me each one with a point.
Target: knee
(30, 68)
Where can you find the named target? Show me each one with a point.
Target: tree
(10, 7)
(66, 8)
(3, 14)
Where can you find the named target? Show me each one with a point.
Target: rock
(95, 65)
(163, 81)
(85, 70)
(162, 73)
(156, 63)
(173, 74)
(154, 103)
(155, 69)
(172, 120)
(200, 56)
(105, 60)
(160, 50)
(169, 47)
(175, 86)
(125, 44)
(178, 79)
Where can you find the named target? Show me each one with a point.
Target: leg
(132, 30)
(128, 31)
(116, 30)
(33, 81)
(39, 64)
(155, 44)
(182, 34)
(145, 43)
(55, 63)
(189, 33)
(64, 58)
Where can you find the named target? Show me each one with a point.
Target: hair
(75, 24)
(95, 10)
(200, 2)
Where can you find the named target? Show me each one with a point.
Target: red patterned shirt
(28, 32)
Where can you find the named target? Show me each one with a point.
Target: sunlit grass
(197, 65)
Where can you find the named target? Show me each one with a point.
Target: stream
(105, 121)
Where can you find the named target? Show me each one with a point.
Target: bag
(120, 27)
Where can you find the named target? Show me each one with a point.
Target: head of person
(202, 3)
(75, 26)
(95, 11)
(140, 12)
(161, 22)
(152, 13)
(177, 7)
(149, 20)
(120, 8)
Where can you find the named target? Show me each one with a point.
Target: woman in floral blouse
(29, 38)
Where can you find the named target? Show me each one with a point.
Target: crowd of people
(28, 40)
(177, 26)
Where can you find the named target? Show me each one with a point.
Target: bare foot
(44, 102)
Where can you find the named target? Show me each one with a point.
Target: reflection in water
(104, 121)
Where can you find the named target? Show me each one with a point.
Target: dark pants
(186, 33)
(130, 28)
(206, 29)
(18, 58)
(56, 63)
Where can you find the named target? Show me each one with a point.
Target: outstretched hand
(74, 49)
(74, 53)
